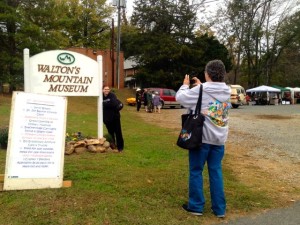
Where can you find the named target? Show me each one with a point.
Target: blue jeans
(213, 155)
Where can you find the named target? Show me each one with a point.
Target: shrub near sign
(63, 73)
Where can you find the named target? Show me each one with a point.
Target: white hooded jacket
(215, 106)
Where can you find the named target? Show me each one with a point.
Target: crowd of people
(151, 100)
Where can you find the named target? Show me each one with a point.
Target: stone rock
(92, 141)
(79, 144)
(69, 148)
(80, 150)
(92, 148)
(109, 149)
(106, 144)
(101, 149)
(91, 145)
(102, 140)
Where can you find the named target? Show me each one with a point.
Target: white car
(238, 95)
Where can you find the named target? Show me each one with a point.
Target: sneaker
(219, 216)
(186, 208)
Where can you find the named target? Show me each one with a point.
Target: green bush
(3, 137)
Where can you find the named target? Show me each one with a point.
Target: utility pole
(118, 44)
(112, 53)
(119, 4)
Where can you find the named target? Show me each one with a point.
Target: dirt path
(258, 153)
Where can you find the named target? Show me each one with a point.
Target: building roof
(130, 63)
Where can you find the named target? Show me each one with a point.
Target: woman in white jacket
(215, 106)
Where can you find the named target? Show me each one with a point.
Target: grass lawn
(147, 184)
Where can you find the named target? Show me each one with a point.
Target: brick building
(109, 65)
(129, 72)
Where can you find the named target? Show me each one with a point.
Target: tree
(288, 54)
(87, 23)
(80, 23)
(248, 28)
(9, 56)
(165, 44)
(46, 25)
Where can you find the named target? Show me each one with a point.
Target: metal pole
(118, 44)
(112, 54)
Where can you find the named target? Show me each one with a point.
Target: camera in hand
(192, 74)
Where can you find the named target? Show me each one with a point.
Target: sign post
(100, 99)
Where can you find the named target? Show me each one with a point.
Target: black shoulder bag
(190, 136)
(119, 106)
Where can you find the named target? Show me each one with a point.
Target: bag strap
(199, 102)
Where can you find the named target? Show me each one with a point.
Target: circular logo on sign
(66, 58)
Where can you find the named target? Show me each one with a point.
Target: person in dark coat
(145, 96)
(112, 117)
(138, 98)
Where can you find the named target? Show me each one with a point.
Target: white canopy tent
(262, 95)
(296, 89)
(295, 94)
(263, 88)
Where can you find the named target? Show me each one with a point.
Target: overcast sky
(211, 5)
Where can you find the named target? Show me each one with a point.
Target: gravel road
(277, 126)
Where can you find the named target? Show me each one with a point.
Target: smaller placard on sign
(35, 153)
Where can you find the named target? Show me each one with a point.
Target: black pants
(115, 131)
(138, 105)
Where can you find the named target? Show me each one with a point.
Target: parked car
(168, 97)
(131, 101)
(238, 95)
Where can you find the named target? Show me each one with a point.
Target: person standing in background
(149, 101)
(145, 96)
(112, 118)
(215, 107)
(156, 102)
(138, 98)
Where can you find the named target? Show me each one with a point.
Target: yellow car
(131, 101)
